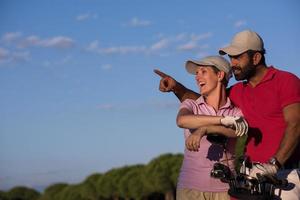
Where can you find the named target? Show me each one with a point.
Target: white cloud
(164, 104)
(60, 42)
(197, 37)
(7, 56)
(82, 17)
(194, 39)
(62, 61)
(93, 46)
(163, 43)
(4, 54)
(181, 36)
(20, 56)
(201, 54)
(86, 16)
(154, 104)
(10, 37)
(135, 22)
(182, 42)
(240, 23)
(106, 67)
(30, 41)
(46, 63)
(123, 50)
(66, 59)
(105, 106)
(191, 45)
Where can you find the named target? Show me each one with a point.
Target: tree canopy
(135, 182)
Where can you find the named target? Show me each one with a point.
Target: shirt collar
(228, 103)
(270, 74)
(271, 71)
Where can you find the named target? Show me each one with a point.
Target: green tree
(162, 173)
(22, 193)
(138, 183)
(3, 195)
(108, 184)
(92, 181)
(176, 163)
(133, 185)
(53, 191)
(81, 191)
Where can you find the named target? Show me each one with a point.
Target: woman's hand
(192, 143)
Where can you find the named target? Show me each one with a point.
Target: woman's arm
(220, 130)
(186, 119)
(192, 143)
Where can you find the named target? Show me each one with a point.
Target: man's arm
(292, 132)
(183, 93)
(168, 84)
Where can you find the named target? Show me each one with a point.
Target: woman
(202, 117)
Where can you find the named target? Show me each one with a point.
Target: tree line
(154, 181)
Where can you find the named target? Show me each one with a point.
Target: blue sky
(78, 92)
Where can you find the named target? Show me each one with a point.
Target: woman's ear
(257, 58)
(221, 75)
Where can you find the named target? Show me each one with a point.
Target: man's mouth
(236, 70)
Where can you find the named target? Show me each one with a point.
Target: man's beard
(245, 73)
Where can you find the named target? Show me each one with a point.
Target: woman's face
(206, 79)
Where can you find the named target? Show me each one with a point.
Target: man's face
(242, 66)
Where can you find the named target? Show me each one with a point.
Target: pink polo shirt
(196, 166)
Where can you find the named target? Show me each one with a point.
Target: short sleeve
(187, 104)
(237, 112)
(289, 89)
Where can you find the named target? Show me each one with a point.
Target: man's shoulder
(283, 74)
(236, 86)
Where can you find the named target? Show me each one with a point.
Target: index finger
(160, 73)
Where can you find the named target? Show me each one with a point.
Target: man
(270, 101)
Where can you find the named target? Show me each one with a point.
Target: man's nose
(233, 61)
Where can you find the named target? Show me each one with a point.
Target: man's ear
(257, 58)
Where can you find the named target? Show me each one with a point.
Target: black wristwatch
(274, 161)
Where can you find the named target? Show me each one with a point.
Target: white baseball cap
(242, 42)
(218, 61)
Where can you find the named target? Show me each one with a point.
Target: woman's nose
(197, 76)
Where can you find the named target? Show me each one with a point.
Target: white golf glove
(239, 123)
(263, 169)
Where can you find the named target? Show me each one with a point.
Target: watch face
(273, 161)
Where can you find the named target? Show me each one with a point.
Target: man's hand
(263, 169)
(167, 83)
(192, 143)
(238, 123)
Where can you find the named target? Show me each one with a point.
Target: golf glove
(238, 123)
(263, 169)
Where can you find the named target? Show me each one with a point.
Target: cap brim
(192, 65)
(231, 50)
